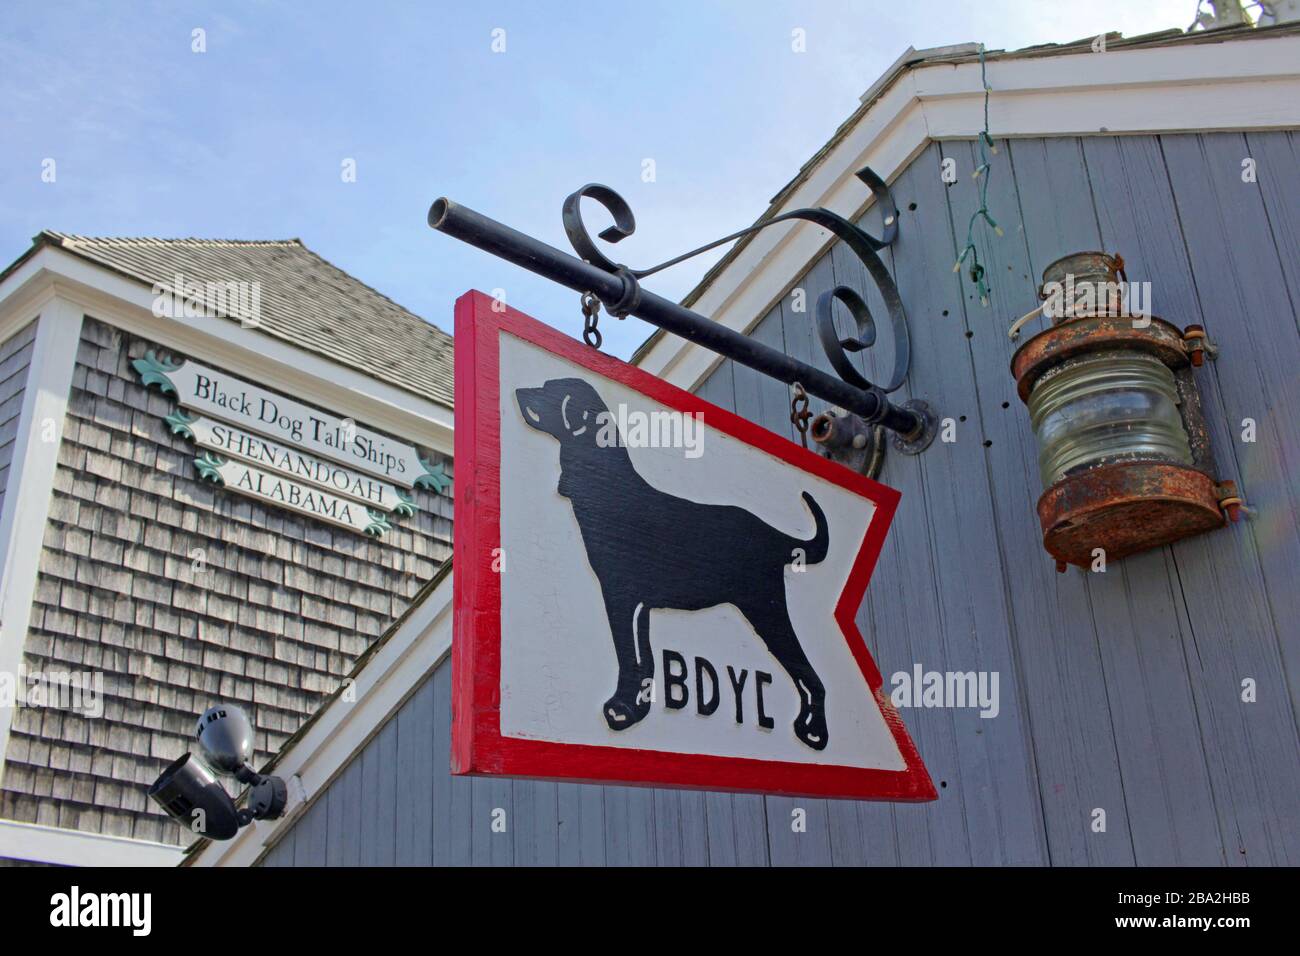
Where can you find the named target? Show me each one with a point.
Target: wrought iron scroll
(863, 245)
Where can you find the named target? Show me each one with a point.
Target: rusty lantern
(1123, 449)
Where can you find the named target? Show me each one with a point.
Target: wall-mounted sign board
(254, 408)
(277, 450)
(291, 463)
(652, 590)
(285, 492)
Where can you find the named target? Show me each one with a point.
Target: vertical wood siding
(1120, 691)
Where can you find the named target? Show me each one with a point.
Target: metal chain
(799, 413)
(590, 316)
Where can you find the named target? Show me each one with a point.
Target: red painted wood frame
(477, 745)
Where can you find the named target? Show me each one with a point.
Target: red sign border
(477, 746)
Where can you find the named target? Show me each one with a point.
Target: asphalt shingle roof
(304, 300)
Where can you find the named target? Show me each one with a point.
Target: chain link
(799, 413)
(590, 316)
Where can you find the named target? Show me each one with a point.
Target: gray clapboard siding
(399, 792)
(1231, 591)
(1135, 604)
(1119, 691)
(1054, 638)
(414, 804)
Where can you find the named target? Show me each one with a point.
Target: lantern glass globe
(1106, 407)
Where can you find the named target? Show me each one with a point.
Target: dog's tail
(815, 548)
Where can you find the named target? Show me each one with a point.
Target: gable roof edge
(1162, 83)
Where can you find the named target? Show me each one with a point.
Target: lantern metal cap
(1095, 333)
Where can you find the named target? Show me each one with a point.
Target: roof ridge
(196, 241)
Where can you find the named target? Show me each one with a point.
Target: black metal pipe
(500, 240)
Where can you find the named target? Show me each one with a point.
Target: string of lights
(981, 173)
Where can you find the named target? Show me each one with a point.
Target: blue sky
(247, 140)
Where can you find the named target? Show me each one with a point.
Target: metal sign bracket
(619, 290)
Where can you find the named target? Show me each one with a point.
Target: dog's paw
(621, 713)
(810, 727)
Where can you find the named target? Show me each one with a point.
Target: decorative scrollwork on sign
(154, 371)
(863, 245)
(209, 467)
(405, 507)
(180, 423)
(379, 523)
(435, 477)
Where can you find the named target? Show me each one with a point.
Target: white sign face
(290, 463)
(286, 493)
(250, 407)
(720, 686)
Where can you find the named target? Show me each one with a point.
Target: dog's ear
(579, 404)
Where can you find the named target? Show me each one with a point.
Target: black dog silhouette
(650, 550)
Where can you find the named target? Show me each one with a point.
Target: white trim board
(31, 482)
(127, 304)
(1248, 84)
(342, 728)
(41, 844)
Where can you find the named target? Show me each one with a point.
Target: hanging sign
(652, 590)
(289, 462)
(228, 398)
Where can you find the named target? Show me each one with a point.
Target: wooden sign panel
(652, 590)
(305, 498)
(289, 462)
(254, 408)
(255, 445)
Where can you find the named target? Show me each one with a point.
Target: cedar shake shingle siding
(183, 593)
